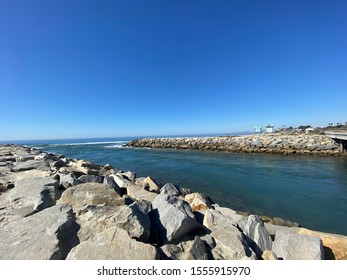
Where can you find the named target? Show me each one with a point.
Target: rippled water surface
(307, 189)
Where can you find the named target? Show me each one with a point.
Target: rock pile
(303, 144)
(53, 207)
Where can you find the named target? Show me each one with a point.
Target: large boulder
(238, 219)
(47, 235)
(335, 246)
(152, 185)
(91, 179)
(172, 218)
(90, 194)
(139, 193)
(113, 244)
(230, 242)
(31, 164)
(292, 246)
(198, 201)
(41, 191)
(133, 220)
(257, 236)
(170, 189)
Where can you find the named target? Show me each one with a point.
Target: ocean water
(307, 189)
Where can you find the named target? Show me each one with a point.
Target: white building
(269, 129)
(258, 129)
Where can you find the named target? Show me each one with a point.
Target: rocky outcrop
(53, 207)
(47, 235)
(303, 144)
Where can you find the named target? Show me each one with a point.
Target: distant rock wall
(303, 144)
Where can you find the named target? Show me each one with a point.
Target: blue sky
(72, 69)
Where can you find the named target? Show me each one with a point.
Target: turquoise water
(309, 190)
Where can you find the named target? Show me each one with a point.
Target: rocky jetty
(53, 207)
(287, 144)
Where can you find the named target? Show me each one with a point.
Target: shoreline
(299, 144)
(40, 190)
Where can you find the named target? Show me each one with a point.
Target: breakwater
(301, 144)
(54, 207)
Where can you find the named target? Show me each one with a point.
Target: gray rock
(23, 158)
(170, 189)
(107, 170)
(131, 176)
(113, 244)
(139, 193)
(230, 242)
(152, 185)
(292, 246)
(172, 218)
(135, 222)
(109, 181)
(120, 181)
(41, 191)
(91, 179)
(195, 250)
(257, 236)
(68, 180)
(238, 219)
(30, 164)
(88, 194)
(47, 235)
(171, 252)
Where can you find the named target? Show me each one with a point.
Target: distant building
(258, 129)
(269, 129)
(309, 129)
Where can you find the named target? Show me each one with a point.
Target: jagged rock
(47, 235)
(335, 246)
(91, 179)
(107, 170)
(90, 194)
(68, 180)
(292, 246)
(86, 167)
(198, 202)
(113, 244)
(41, 191)
(30, 164)
(186, 250)
(172, 218)
(257, 236)
(121, 182)
(238, 219)
(170, 189)
(131, 176)
(152, 185)
(109, 181)
(230, 242)
(71, 170)
(133, 220)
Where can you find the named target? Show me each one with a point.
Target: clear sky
(72, 69)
